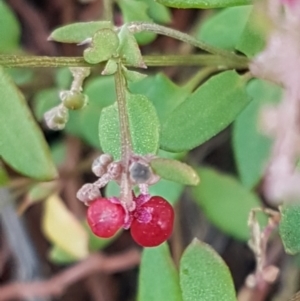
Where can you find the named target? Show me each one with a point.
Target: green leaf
(143, 122)
(10, 30)
(253, 39)
(251, 147)
(110, 67)
(59, 256)
(63, 78)
(210, 109)
(104, 45)
(20, 76)
(133, 76)
(22, 144)
(174, 170)
(204, 275)
(289, 227)
(203, 3)
(101, 93)
(62, 228)
(158, 278)
(78, 32)
(158, 12)
(224, 29)
(129, 49)
(222, 197)
(162, 92)
(134, 10)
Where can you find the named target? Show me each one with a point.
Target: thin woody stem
(15, 61)
(126, 143)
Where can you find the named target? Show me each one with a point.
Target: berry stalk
(126, 143)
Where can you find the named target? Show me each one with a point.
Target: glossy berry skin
(105, 217)
(152, 223)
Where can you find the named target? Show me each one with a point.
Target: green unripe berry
(73, 100)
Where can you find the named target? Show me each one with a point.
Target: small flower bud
(88, 192)
(100, 164)
(105, 159)
(139, 173)
(73, 100)
(98, 169)
(114, 170)
(56, 118)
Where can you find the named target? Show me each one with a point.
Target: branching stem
(16, 61)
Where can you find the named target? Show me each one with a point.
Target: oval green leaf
(224, 29)
(174, 170)
(143, 122)
(251, 147)
(210, 109)
(162, 92)
(22, 144)
(204, 275)
(62, 228)
(10, 30)
(101, 93)
(157, 12)
(203, 3)
(289, 227)
(158, 278)
(78, 32)
(222, 197)
(255, 33)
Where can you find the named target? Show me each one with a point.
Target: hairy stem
(126, 143)
(178, 35)
(15, 61)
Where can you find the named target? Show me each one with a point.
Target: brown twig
(56, 285)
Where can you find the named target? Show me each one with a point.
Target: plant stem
(126, 143)
(13, 61)
(108, 10)
(222, 63)
(178, 35)
(198, 78)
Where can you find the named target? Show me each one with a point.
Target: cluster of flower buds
(150, 219)
(72, 99)
(140, 173)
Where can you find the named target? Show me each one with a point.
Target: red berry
(105, 217)
(153, 222)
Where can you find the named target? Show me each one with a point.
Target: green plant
(145, 125)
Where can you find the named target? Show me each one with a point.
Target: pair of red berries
(151, 223)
